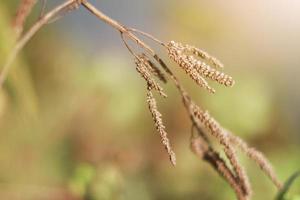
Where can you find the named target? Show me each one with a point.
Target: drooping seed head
(176, 53)
(204, 55)
(197, 69)
(156, 115)
(203, 150)
(213, 127)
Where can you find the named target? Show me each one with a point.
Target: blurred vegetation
(282, 195)
(75, 125)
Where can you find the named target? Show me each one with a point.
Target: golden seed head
(204, 55)
(214, 128)
(183, 56)
(176, 54)
(156, 115)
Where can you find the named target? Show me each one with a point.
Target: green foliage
(283, 194)
(81, 179)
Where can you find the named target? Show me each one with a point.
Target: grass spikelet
(156, 115)
(143, 66)
(258, 158)
(211, 73)
(204, 55)
(205, 152)
(217, 131)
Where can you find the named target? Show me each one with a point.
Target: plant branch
(147, 35)
(127, 31)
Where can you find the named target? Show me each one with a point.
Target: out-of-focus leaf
(81, 179)
(282, 193)
(109, 183)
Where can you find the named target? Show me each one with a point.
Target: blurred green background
(74, 122)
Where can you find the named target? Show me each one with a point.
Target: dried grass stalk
(156, 115)
(183, 55)
(258, 158)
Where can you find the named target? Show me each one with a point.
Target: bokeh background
(74, 122)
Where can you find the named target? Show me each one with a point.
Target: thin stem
(29, 34)
(127, 45)
(147, 35)
(43, 8)
(123, 29)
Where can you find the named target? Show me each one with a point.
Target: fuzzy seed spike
(176, 54)
(204, 55)
(195, 67)
(156, 115)
(221, 135)
(204, 151)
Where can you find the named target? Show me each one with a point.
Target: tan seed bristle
(142, 66)
(156, 115)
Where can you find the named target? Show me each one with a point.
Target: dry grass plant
(150, 66)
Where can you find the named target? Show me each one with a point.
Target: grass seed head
(184, 56)
(156, 115)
